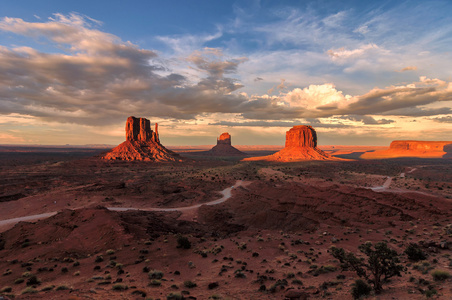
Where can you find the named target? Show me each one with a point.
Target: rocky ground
(272, 238)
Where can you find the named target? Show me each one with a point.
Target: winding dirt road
(227, 193)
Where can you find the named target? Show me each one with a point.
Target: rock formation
(224, 147)
(301, 144)
(409, 148)
(141, 144)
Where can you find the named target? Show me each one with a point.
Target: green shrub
(175, 296)
(440, 275)
(189, 284)
(183, 242)
(33, 280)
(119, 287)
(155, 274)
(29, 290)
(19, 280)
(360, 288)
(110, 252)
(6, 289)
(414, 252)
(62, 288)
(155, 282)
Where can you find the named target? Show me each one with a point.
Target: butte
(301, 144)
(224, 147)
(142, 144)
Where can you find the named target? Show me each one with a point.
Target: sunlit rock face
(142, 144)
(224, 147)
(301, 144)
(410, 148)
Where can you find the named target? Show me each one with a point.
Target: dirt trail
(227, 193)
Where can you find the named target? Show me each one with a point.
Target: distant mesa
(409, 148)
(142, 144)
(301, 144)
(224, 147)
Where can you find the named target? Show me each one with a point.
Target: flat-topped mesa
(141, 144)
(410, 148)
(301, 144)
(419, 145)
(301, 136)
(224, 147)
(225, 138)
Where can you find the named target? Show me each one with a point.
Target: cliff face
(409, 148)
(301, 144)
(301, 136)
(141, 144)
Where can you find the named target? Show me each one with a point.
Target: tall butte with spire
(301, 144)
(141, 144)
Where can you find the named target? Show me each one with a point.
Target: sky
(359, 72)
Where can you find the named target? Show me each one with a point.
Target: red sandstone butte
(141, 144)
(224, 147)
(301, 144)
(408, 148)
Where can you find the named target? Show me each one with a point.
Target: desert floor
(258, 230)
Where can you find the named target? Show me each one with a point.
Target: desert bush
(155, 282)
(62, 288)
(414, 252)
(110, 252)
(33, 280)
(174, 296)
(440, 275)
(189, 284)
(29, 290)
(142, 293)
(381, 262)
(48, 288)
(99, 259)
(360, 288)
(155, 274)
(183, 242)
(19, 280)
(6, 289)
(119, 287)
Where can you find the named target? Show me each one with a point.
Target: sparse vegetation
(183, 242)
(440, 275)
(360, 289)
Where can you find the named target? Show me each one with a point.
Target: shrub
(33, 280)
(19, 280)
(62, 288)
(189, 284)
(381, 261)
(29, 290)
(183, 242)
(155, 274)
(175, 296)
(6, 289)
(155, 282)
(110, 252)
(440, 275)
(414, 252)
(360, 288)
(119, 287)
(48, 288)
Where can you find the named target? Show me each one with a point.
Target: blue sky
(359, 72)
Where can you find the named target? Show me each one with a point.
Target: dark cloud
(258, 79)
(447, 119)
(419, 112)
(366, 120)
(278, 124)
